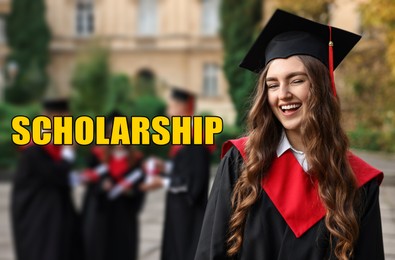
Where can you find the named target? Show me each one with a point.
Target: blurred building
(173, 42)
(343, 14)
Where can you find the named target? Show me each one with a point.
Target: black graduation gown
(44, 220)
(185, 210)
(110, 227)
(267, 236)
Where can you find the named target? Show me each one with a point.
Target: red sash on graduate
(118, 167)
(54, 151)
(294, 192)
(99, 152)
(125, 180)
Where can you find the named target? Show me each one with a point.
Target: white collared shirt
(284, 145)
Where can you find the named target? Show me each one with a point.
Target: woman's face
(288, 91)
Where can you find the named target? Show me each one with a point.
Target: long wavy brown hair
(326, 152)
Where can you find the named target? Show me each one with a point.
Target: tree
(28, 37)
(120, 93)
(373, 77)
(98, 91)
(317, 10)
(240, 23)
(90, 83)
(379, 21)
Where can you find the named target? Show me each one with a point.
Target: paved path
(152, 216)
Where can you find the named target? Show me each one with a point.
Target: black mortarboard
(286, 34)
(57, 105)
(181, 94)
(185, 97)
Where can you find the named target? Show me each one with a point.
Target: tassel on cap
(330, 59)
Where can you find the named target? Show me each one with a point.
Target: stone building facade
(175, 42)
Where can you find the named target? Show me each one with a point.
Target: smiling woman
(64, 130)
(291, 189)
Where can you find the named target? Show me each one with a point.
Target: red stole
(174, 149)
(54, 151)
(99, 152)
(294, 192)
(118, 167)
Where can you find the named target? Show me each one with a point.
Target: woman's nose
(284, 92)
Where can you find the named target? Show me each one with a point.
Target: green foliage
(145, 84)
(318, 10)
(120, 94)
(240, 22)
(8, 151)
(378, 18)
(161, 151)
(372, 139)
(369, 70)
(368, 96)
(28, 37)
(365, 138)
(148, 106)
(151, 106)
(90, 84)
(97, 91)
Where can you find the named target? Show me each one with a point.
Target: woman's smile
(290, 108)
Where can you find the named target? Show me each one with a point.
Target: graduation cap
(181, 94)
(56, 105)
(185, 97)
(286, 35)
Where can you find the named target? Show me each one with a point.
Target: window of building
(85, 19)
(147, 17)
(3, 36)
(210, 80)
(210, 17)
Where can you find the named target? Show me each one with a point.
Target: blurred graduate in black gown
(44, 220)
(186, 178)
(112, 201)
